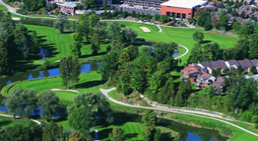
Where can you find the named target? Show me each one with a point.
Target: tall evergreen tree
(4, 65)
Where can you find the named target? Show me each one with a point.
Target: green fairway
(65, 98)
(8, 121)
(182, 36)
(59, 44)
(89, 82)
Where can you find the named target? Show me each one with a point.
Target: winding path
(36, 121)
(105, 93)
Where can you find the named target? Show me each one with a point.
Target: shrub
(256, 126)
(40, 22)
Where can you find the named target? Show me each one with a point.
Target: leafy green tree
(253, 69)
(31, 132)
(157, 135)
(95, 42)
(246, 29)
(202, 17)
(138, 80)
(13, 101)
(87, 111)
(124, 83)
(118, 134)
(75, 136)
(148, 133)
(253, 45)
(30, 99)
(35, 42)
(223, 19)
(210, 91)
(61, 23)
(198, 37)
(88, 4)
(164, 18)
(156, 17)
(49, 104)
(110, 65)
(75, 72)
(4, 63)
(167, 93)
(52, 132)
(208, 24)
(65, 70)
(128, 35)
(77, 44)
(149, 118)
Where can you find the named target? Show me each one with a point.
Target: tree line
(16, 43)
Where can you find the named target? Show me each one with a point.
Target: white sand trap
(145, 29)
(55, 90)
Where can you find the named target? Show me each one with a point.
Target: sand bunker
(145, 29)
(65, 90)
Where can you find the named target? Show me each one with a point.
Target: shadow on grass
(90, 84)
(3, 123)
(103, 134)
(205, 42)
(131, 135)
(86, 56)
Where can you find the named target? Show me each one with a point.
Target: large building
(145, 3)
(182, 8)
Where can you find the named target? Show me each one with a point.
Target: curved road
(105, 92)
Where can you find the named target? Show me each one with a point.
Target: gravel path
(105, 93)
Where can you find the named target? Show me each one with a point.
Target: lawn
(89, 82)
(181, 36)
(66, 98)
(7, 122)
(59, 44)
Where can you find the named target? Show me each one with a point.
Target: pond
(190, 133)
(30, 75)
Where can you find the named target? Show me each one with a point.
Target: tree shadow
(131, 135)
(205, 42)
(90, 84)
(103, 134)
(87, 56)
(3, 123)
(166, 137)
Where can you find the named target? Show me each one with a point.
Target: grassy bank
(7, 122)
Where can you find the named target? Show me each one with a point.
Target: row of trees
(124, 14)
(27, 102)
(15, 43)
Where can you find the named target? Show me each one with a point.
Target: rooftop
(184, 3)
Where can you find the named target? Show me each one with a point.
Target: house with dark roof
(204, 80)
(245, 64)
(218, 84)
(232, 64)
(214, 65)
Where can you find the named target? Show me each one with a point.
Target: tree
(4, 65)
(208, 24)
(77, 44)
(198, 37)
(30, 101)
(13, 101)
(48, 103)
(157, 135)
(61, 23)
(128, 35)
(52, 132)
(87, 110)
(149, 118)
(124, 83)
(95, 42)
(65, 70)
(156, 17)
(253, 69)
(223, 19)
(148, 133)
(167, 93)
(75, 136)
(75, 72)
(210, 91)
(253, 45)
(88, 3)
(202, 17)
(164, 18)
(118, 134)
(31, 132)
(138, 80)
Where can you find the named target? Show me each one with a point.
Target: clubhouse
(184, 9)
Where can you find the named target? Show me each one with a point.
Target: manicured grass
(66, 98)
(181, 36)
(8, 121)
(59, 44)
(89, 82)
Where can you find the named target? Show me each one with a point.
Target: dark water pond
(189, 133)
